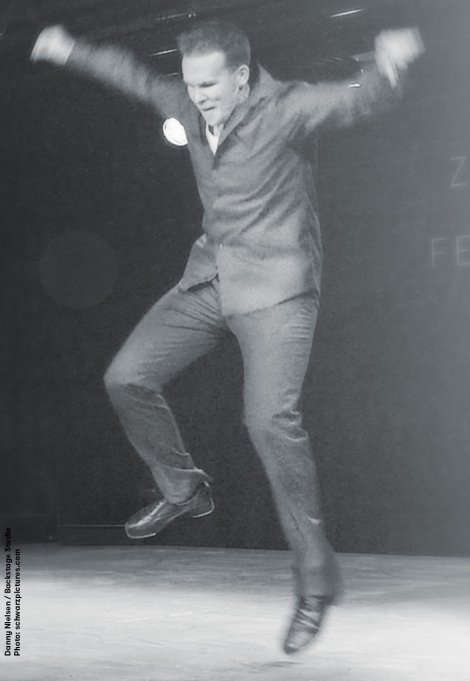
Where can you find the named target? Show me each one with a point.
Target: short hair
(216, 35)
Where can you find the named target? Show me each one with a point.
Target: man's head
(215, 65)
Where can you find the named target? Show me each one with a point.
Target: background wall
(98, 215)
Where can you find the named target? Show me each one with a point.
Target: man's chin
(211, 119)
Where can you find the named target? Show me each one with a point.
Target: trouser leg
(276, 345)
(177, 330)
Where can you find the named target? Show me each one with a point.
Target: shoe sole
(296, 651)
(140, 536)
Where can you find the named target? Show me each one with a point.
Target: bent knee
(262, 424)
(259, 424)
(123, 375)
(132, 369)
(116, 378)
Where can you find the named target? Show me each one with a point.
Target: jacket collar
(263, 87)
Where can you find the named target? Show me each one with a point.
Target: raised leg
(177, 330)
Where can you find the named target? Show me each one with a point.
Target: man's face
(212, 87)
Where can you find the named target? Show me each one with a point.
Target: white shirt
(212, 138)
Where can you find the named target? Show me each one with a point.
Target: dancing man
(254, 273)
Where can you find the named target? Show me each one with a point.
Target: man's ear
(243, 74)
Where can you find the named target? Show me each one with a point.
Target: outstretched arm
(112, 66)
(336, 105)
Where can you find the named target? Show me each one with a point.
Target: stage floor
(150, 613)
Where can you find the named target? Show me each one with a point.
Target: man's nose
(199, 96)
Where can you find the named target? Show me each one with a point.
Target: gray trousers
(275, 344)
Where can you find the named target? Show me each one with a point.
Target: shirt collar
(263, 86)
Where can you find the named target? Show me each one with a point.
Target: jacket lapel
(260, 90)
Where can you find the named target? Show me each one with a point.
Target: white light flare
(174, 132)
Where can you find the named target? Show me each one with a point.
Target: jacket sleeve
(328, 106)
(120, 69)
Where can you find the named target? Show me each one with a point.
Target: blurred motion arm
(338, 105)
(113, 66)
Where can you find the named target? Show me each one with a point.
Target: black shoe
(306, 622)
(153, 518)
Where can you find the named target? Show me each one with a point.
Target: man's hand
(54, 44)
(396, 50)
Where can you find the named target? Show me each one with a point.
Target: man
(255, 273)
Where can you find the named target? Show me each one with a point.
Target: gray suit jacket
(260, 228)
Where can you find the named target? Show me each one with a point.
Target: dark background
(98, 215)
